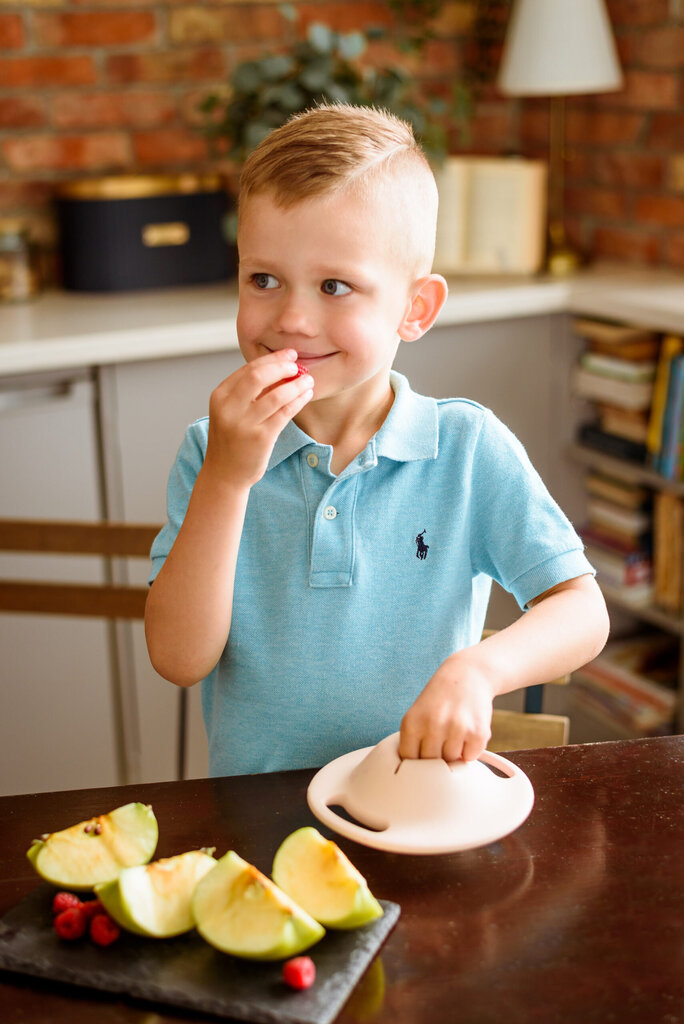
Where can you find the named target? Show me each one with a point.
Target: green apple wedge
(240, 911)
(95, 850)
(321, 879)
(155, 899)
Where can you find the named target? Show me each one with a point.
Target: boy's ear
(427, 296)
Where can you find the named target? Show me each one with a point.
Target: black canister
(144, 231)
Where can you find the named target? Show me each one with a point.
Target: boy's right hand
(247, 412)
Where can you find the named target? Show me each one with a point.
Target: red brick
(341, 17)
(628, 169)
(674, 250)
(172, 67)
(644, 90)
(596, 202)
(628, 245)
(94, 28)
(666, 132)
(110, 109)
(491, 129)
(32, 71)
(668, 211)
(234, 24)
(67, 152)
(662, 48)
(169, 147)
(21, 112)
(11, 32)
(22, 194)
(633, 13)
(604, 128)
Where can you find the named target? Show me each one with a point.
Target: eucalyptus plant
(322, 67)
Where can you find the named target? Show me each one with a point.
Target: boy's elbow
(598, 618)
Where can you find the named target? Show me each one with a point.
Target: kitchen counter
(67, 329)
(575, 918)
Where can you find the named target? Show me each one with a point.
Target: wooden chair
(522, 730)
(102, 600)
(108, 600)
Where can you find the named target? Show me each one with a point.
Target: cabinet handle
(21, 397)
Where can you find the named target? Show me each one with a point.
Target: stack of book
(665, 438)
(632, 685)
(617, 373)
(618, 535)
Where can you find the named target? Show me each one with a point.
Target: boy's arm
(565, 628)
(189, 606)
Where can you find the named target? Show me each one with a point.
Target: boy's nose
(295, 316)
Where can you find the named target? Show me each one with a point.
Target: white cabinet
(59, 727)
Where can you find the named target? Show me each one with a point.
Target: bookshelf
(637, 551)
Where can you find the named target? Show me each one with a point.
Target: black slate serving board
(186, 972)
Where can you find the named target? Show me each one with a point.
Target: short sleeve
(179, 488)
(520, 536)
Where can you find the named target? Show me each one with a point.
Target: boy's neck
(345, 424)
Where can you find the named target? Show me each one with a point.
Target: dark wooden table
(576, 917)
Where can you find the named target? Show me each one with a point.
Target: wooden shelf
(648, 613)
(630, 471)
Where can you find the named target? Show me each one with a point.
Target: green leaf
(247, 77)
(351, 45)
(321, 37)
(275, 67)
(288, 11)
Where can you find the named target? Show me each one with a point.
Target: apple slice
(156, 899)
(322, 879)
(240, 911)
(96, 850)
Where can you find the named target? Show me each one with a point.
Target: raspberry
(71, 923)
(103, 931)
(64, 900)
(301, 370)
(91, 907)
(300, 972)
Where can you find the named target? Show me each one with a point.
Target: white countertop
(67, 329)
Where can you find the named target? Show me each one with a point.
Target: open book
(492, 215)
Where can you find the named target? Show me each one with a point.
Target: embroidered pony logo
(421, 547)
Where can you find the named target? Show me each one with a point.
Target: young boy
(331, 539)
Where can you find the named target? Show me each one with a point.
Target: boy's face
(326, 277)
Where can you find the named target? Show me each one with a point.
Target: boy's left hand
(452, 716)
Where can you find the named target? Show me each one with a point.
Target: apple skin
(93, 851)
(321, 879)
(155, 900)
(240, 911)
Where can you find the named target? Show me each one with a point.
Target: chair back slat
(104, 539)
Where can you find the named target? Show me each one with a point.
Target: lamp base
(561, 258)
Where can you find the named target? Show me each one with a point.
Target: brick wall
(108, 86)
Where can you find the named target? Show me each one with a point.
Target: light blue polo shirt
(351, 590)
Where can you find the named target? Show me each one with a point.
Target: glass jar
(19, 269)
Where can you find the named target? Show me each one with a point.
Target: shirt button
(330, 512)
(312, 459)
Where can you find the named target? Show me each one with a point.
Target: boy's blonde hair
(336, 148)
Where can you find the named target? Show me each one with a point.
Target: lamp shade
(557, 48)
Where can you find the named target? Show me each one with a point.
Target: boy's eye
(333, 287)
(265, 281)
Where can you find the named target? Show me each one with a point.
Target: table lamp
(558, 48)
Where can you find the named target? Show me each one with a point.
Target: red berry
(71, 923)
(64, 900)
(91, 907)
(103, 931)
(300, 972)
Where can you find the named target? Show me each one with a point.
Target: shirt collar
(410, 432)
